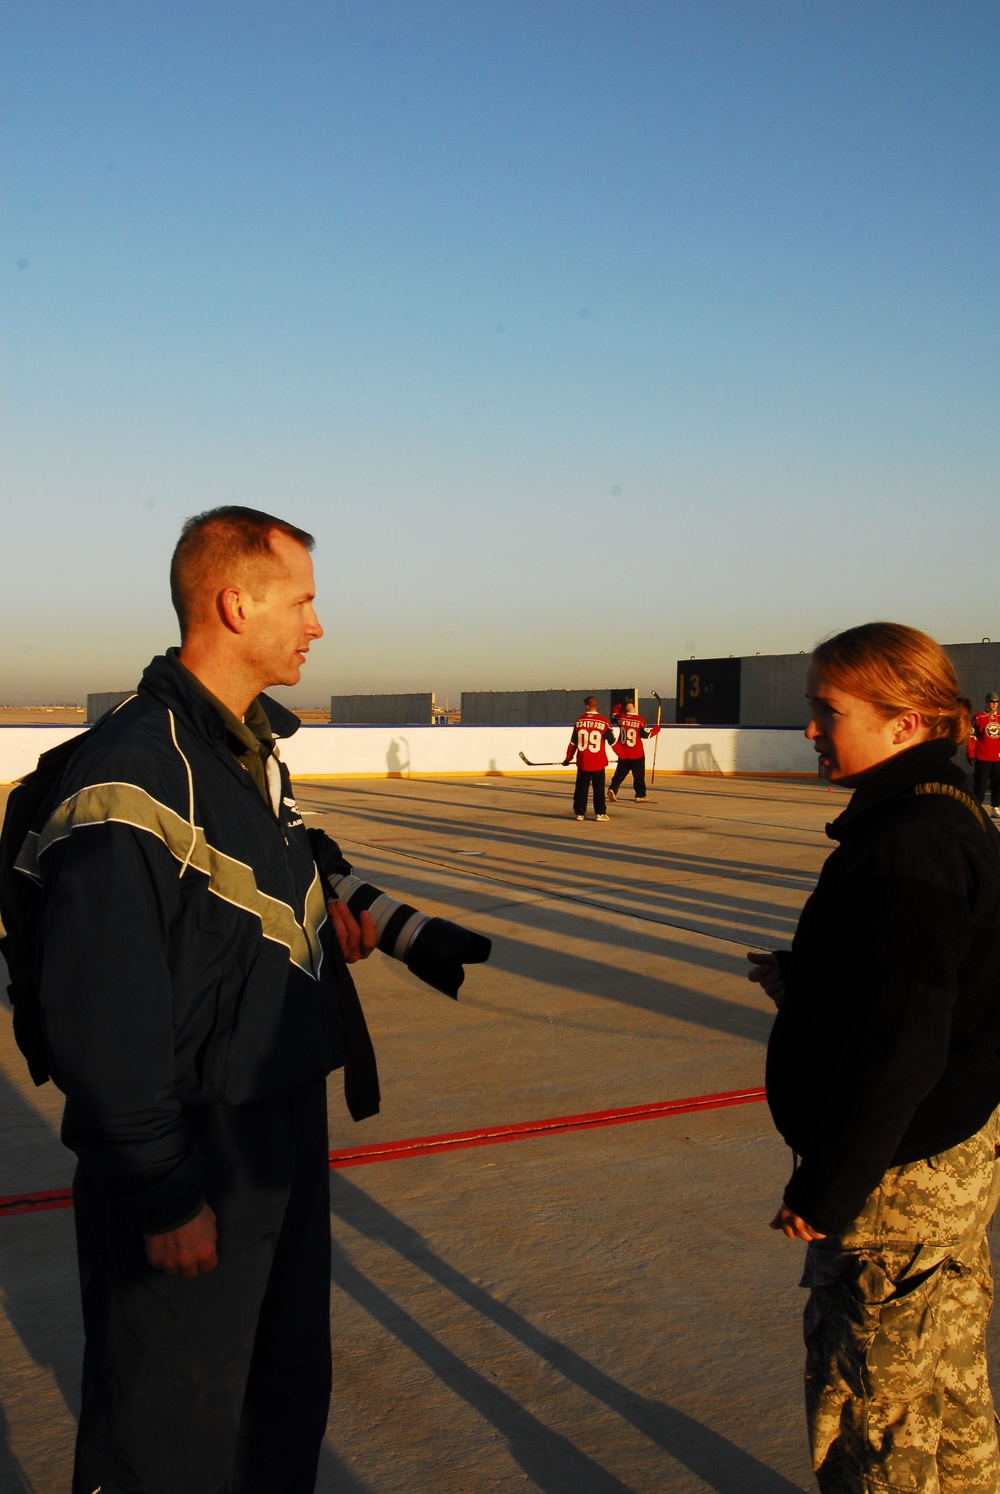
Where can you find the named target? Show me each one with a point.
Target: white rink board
(377, 751)
(22, 746)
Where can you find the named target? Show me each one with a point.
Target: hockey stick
(656, 739)
(527, 760)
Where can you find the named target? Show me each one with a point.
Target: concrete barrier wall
(377, 710)
(376, 751)
(535, 707)
(772, 686)
(667, 707)
(978, 668)
(773, 690)
(105, 700)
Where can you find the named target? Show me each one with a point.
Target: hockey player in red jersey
(591, 734)
(632, 729)
(986, 752)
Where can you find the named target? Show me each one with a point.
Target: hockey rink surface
(582, 1306)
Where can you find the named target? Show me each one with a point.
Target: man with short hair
(986, 753)
(591, 734)
(195, 993)
(632, 731)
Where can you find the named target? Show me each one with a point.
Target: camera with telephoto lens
(433, 949)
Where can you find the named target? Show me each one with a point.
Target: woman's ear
(907, 728)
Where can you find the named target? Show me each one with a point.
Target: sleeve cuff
(156, 1222)
(158, 1204)
(824, 1216)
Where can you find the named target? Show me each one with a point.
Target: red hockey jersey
(590, 734)
(631, 730)
(987, 728)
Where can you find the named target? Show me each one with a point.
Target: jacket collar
(927, 762)
(166, 683)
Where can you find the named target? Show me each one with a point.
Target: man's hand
(765, 969)
(187, 1251)
(795, 1228)
(356, 939)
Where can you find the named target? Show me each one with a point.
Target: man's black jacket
(186, 953)
(887, 1046)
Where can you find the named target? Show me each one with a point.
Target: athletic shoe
(602, 817)
(612, 796)
(581, 817)
(640, 801)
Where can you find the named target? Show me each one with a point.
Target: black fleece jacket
(186, 955)
(887, 1046)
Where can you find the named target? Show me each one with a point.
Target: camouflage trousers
(897, 1395)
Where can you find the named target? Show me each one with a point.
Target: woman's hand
(356, 939)
(765, 970)
(795, 1228)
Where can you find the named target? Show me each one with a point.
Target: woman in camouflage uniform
(883, 1077)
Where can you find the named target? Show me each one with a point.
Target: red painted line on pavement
(422, 1146)
(34, 1203)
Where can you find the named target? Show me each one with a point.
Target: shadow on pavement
(13, 1479)
(600, 978)
(431, 820)
(38, 1273)
(556, 1465)
(334, 1477)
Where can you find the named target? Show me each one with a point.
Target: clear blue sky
(583, 336)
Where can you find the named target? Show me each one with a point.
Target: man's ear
(233, 607)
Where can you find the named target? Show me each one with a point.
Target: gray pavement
(596, 1312)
